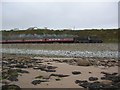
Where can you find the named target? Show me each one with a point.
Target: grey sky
(58, 15)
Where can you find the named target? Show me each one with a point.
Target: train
(88, 39)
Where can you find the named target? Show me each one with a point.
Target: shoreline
(111, 54)
(54, 56)
(56, 71)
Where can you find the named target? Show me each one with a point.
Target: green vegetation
(107, 35)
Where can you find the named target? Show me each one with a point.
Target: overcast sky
(59, 15)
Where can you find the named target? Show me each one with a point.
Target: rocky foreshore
(50, 70)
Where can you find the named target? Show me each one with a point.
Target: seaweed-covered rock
(12, 75)
(10, 87)
(12, 78)
(93, 78)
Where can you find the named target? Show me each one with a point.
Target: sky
(59, 15)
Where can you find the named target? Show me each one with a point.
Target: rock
(35, 82)
(21, 71)
(72, 61)
(116, 79)
(109, 87)
(95, 86)
(59, 75)
(5, 62)
(50, 70)
(21, 66)
(109, 82)
(83, 83)
(12, 65)
(76, 72)
(45, 68)
(49, 63)
(117, 84)
(38, 61)
(6, 82)
(56, 60)
(93, 78)
(90, 72)
(30, 65)
(65, 61)
(105, 73)
(12, 75)
(106, 82)
(42, 66)
(46, 76)
(51, 67)
(114, 73)
(38, 81)
(36, 68)
(57, 79)
(80, 81)
(103, 78)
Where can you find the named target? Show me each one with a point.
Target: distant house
(15, 29)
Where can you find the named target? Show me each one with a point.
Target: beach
(50, 71)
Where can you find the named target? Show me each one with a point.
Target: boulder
(83, 62)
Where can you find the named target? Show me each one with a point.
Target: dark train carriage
(81, 40)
